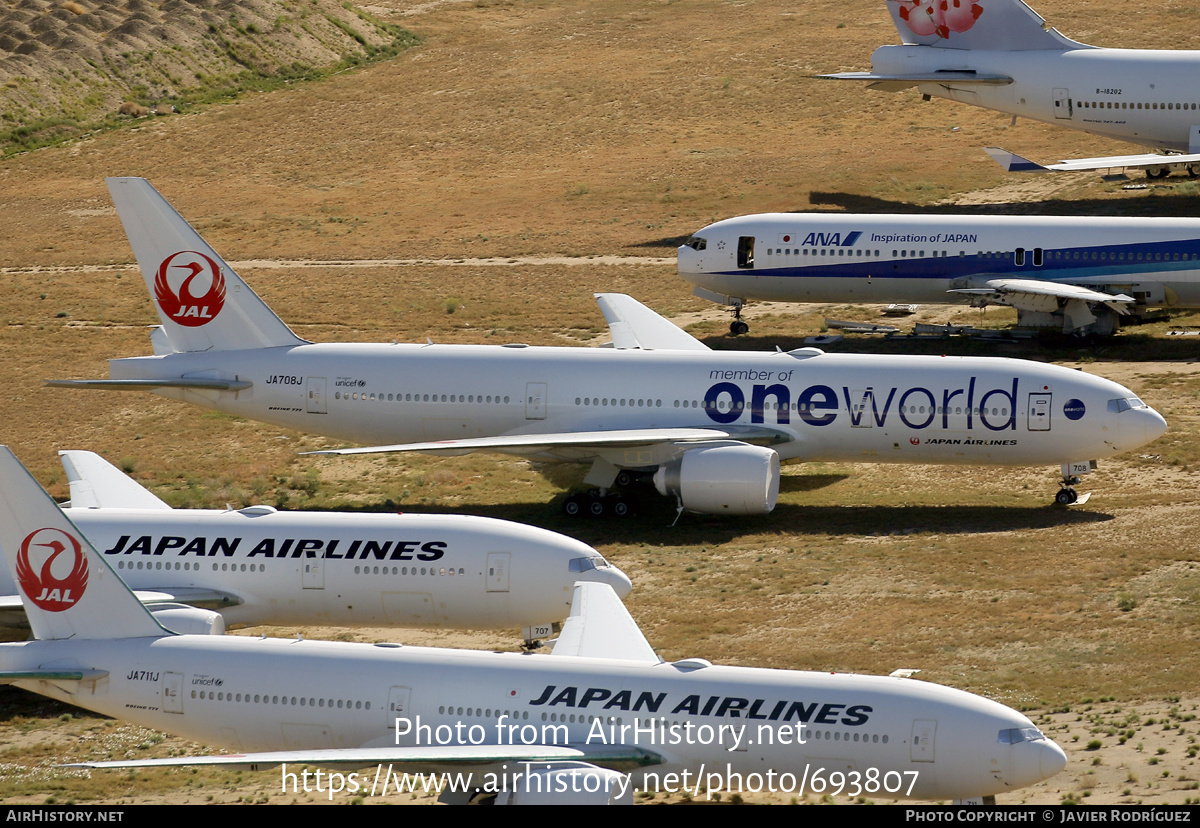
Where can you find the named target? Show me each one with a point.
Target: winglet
(601, 627)
(98, 484)
(1012, 162)
(68, 590)
(635, 326)
(203, 304)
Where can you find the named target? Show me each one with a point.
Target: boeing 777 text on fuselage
(709, 427)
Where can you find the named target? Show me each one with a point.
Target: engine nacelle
(185, 620)
(568, 783)
(734, 479)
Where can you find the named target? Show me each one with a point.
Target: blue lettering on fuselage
(916, 407)
(832, 239)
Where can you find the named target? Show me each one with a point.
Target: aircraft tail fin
(98, 484)
(601, 627)
(68, 589)
(203, 304)
(1000, 25)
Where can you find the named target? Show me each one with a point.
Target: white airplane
(1078, 275)
(602, 700)
(710, 427)
(1001, 55)
(261, 566)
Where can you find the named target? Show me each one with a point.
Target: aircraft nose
(1035, 762)
(686, 259)
(612, 576)
(1153, 425)
(1052, 758)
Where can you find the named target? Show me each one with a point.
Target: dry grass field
(570, 143)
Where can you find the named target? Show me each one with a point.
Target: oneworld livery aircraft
(1001, 55)
(709, 427)
(598, 717)
(258, 565)
(1067, 273)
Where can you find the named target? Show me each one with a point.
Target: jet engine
(185, 620)
(730, 479)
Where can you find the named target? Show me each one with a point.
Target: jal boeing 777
(1001, 55)
(1067, 273)
(258, 565)
(709, 427)
(600, 715)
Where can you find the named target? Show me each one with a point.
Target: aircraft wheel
(619, 507)
(573, 506)
(624, 478)
(737, 327)
(1066, 496)
(596, 507)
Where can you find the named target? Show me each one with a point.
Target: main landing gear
(597, 503)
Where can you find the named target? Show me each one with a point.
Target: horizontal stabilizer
(98, 484)
(533, 443)
(897, 83)
(601, 627)
(1012, 162)
(151, 384)
(635, 326)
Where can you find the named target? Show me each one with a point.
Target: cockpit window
(588, 564)
(1117, 406)
(696, 243)
(1016, 735)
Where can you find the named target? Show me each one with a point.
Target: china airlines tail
(988, 25)
(68, 589)
(203, 304)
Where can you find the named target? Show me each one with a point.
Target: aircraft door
(924, 740)
(1039, 412)
(497, 577)
(535, 401)
(312, 573)
(1062, 103)
(862, 408)
(745, 252)
(172, 692)
(399, 699)
(316, 395)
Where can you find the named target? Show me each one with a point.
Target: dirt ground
(529, 154)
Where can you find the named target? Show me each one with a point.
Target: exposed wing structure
(600, 627)
(1012, 162)
(537, 443)
(635, 326)
(1074, 302)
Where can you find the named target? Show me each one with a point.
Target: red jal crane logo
(184, 306)
(42, 587)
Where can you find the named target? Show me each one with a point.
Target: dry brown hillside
(69, 67)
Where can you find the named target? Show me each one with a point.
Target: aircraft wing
(897, 83)
(1012, 162)
(635, 326)
(601, 627)
(415, 759)
(1005, 290)
(98, 484)
(536, 443)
